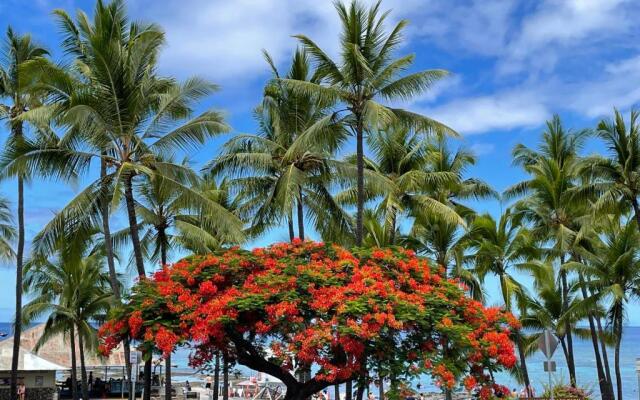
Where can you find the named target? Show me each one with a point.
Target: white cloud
(480, 114)
(481, 149)
(223, 39)
(475, 26)
(558, 28)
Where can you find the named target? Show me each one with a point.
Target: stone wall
(31, 393)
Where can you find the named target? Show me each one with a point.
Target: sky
(513, 65)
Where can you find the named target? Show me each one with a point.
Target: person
(90, 380)
(209, 382)
(188, 386)
(514, 393)
(371, 396)
(22, 390)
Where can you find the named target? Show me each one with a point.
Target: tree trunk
(348, 390)
(523, 357)
(605, 355)
(162, 234)
(300, 215)
(618, 334)
(74, 366)
(602, 380)
(360, 186)
(361, 386)
(17, 327)
(565, 305)
(108, 248)
(133, 225)
(292, 234)
(225, 378)
(216, 377)
(167, 378)
(83, 369)
(523, 363)
(106, 229)
(392, 234)
(16, 131)
(336, 392)
(147, 379)
(137, 252)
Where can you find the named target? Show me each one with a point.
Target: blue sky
(513, 64)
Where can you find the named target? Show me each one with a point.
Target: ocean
(585, 366)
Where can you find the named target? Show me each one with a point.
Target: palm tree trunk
(392, 234)
(106, 229)
(216, 377)
(605, 355)
(74, 366)
(603, 348)
(523, 363)
(602, 380)
(225, 378)
(113, 276)
(506, 297)
(137, 252)
(292, 234)
(133, 225)
(565, 305)
(17, 327)
(618, 334)
(360, 183)
(162, 234)
(300, 215)
(83, 368)
(16, 132)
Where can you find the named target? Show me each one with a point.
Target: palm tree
(550, 202)
(614, 270)
(365, 74)
(15, 86)
(499, 247)
(288, 164)
(169, 221)
(545, 308)
(443, 240)
(7, 231)
(615, 176)
(72, 290)
(124, 114)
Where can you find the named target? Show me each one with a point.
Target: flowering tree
(304, 304)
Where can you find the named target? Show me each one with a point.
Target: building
(38, 369)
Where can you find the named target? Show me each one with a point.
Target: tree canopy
(302, 304)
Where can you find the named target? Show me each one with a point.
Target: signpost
(548, 343)
(134, 359)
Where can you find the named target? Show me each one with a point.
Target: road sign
(549, 366)
(134, 357)
(547, 343)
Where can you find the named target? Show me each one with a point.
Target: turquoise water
(585, 365)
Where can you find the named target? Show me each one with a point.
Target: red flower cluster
(320, 304)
